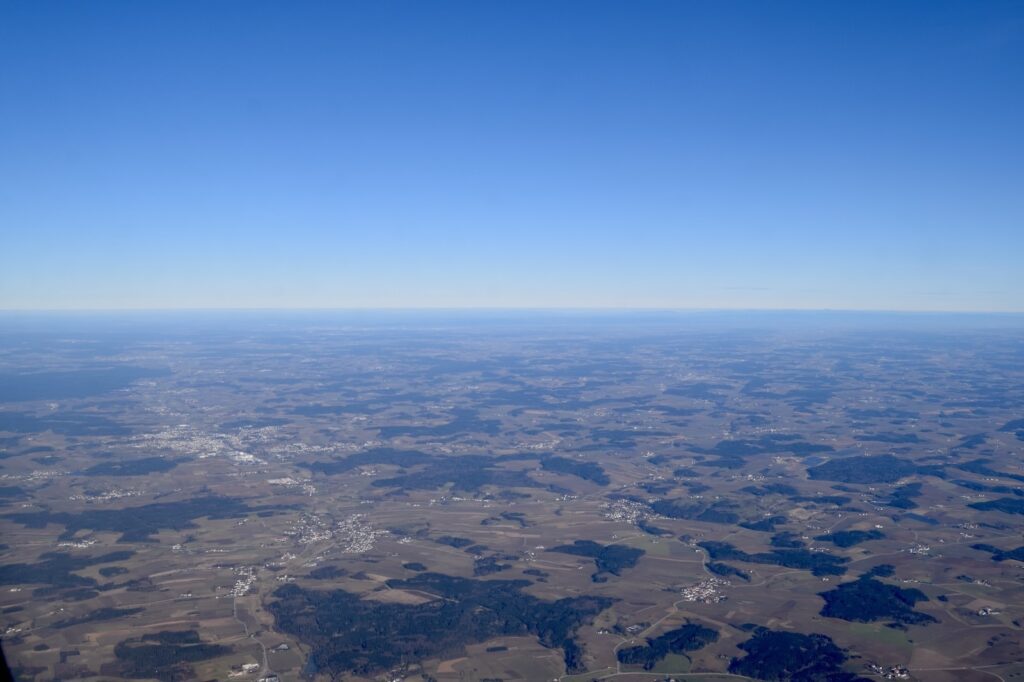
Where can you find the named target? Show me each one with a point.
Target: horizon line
(511, 309)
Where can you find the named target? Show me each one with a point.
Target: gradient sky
(865, 155)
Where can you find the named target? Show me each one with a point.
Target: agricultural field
(556, 498)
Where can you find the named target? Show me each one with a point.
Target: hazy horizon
(514, 309)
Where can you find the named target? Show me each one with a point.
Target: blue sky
(861, 155)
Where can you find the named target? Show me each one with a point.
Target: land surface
(512, 498)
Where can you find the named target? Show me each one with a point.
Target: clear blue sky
(558, 154)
